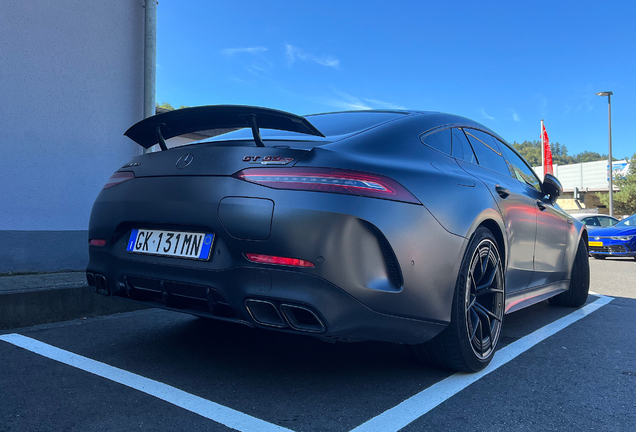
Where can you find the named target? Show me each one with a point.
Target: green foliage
(625, 200)
(588, 156)
(167, 106)
(531, 151)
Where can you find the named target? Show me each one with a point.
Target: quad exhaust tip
(297, 317)
(98, 283)
(102, 284)
(302, 319)
(265, 313)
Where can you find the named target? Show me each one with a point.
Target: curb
(40, 299)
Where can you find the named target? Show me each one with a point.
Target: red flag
(547, 153)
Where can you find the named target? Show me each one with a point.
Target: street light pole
(611, 166)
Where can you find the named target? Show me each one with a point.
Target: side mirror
(551, 186)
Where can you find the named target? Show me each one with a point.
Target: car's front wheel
(469, 342)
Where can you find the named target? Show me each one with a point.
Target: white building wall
(591, 176)
(71, 82)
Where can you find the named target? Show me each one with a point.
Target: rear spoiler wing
(160, 127)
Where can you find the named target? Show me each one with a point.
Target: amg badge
(268, 160)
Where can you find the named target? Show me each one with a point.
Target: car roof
(580, 216)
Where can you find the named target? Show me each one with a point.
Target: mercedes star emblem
(184, 161)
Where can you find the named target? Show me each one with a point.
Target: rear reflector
(329, 180)
(118, 177)
(269, 259)
(97, 242)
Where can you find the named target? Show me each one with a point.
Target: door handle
(541, 206)
(503, 192)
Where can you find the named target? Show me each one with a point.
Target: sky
(504, 64)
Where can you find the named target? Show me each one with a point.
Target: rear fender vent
(392, 265)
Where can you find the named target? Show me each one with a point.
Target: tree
(588, 156)
(625, 200)
(531, 151)
(167, 106)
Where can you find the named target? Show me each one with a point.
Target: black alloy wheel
(470, 340)
(484, 299)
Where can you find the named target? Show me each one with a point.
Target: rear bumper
(384, 270)
(226, 295)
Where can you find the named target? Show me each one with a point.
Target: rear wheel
(469, 342)
(576, 295)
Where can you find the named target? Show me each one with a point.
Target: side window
(606, 222)
(461, 146)
(487, 151)
(591, 221)
(520, 169)
(440, 140)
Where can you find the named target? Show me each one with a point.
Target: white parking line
(393, 419)
(416, 406)
(213, 411)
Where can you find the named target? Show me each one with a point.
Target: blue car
(616, 241)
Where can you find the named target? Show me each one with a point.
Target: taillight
(118, 177)
(97, 242)
(328, 180)
(269, 259)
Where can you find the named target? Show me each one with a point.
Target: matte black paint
(385, 270)
(194, 119)
(246, 218)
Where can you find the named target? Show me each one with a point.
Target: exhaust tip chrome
(90, 280)
(265, 313)
(101, 284)
(303, 319)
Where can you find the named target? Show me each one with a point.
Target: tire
(470, 340)
(576, 295)
(598, 257)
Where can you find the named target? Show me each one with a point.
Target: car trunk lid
(205, 160)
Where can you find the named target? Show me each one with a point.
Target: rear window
(350, 122)
(334, 124)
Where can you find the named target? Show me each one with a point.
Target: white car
(593, 221)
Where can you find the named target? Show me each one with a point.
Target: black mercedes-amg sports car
(418, 228)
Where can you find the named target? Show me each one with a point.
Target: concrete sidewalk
(32, 299)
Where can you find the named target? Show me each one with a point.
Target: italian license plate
(595, 243)
(171, 243)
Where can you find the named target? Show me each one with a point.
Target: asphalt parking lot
(558, 369)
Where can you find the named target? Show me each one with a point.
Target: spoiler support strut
(257, 133)
(162, 142)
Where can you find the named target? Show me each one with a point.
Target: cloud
(386, 105)
(256, 62)
(249, 50)
(294, 53)
(515, 116)
(350, 102)
(485, 115)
